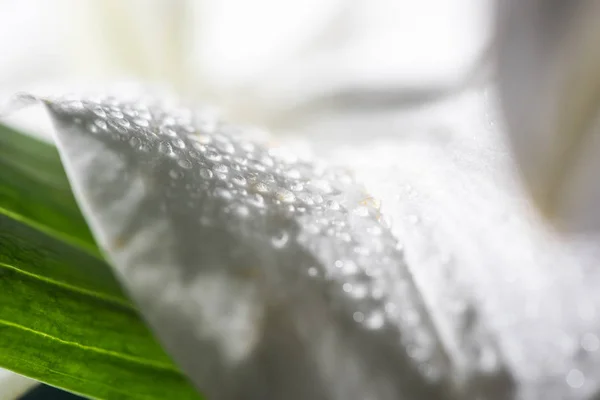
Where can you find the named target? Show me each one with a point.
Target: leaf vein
(111, 353)
(87, 292)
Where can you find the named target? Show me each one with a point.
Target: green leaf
(35, 189)
(64, 319)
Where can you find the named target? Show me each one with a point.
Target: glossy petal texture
(266, 275)
(484, 262)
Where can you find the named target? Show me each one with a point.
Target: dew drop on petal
(261, 187)
(575, 378)
(223, 193)
(239, 180)
(116, 114)
(242, 211)
(165, 148)
(175, 174)
(590, 342)
(212, 155)
(206, 173)
(180, 144)
(280, 239)
(220, 169)
(183, 163)
(141, 122)
(99, 111)
(256, 200)
(285, 196)
(358, 316)
(375, 320)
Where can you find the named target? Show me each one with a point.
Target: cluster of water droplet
(338, 222)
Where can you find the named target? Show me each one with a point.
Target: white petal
(12, 386)
(478, 252)
(264, 274)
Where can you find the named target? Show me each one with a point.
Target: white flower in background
(254, 59)
(548, 63)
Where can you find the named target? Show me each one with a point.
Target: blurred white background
(252, 58)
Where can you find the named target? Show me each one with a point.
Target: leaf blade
(64, 319)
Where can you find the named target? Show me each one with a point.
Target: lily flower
(399, 257)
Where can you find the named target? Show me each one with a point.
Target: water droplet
(590, 342)
(239, 180)
(332, 205)
(359, 291)
(285, 196)
(256, 200)
(313, 272)
(575, 378)
(92, 128)
(242, 211)
(358, 316)
(212, 155)
(375, 320)
(134, 142)
(220, 169)
(206, 173)
(201, 139)
(141, 122)
(260, 187)
(391, 309)
(183, 163)
(123, 123)
(305, 198)
(255, 165)
(223, 193)
(144, 114)
(168, 131)
(116, 114)
(175, 174)
(165, 148)
(101, 124)
(347, 267)
(226, 147)
(75, 105)
(267, 178)
(180, 144)
(297, 186)
(99, 111)
(280, 239)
